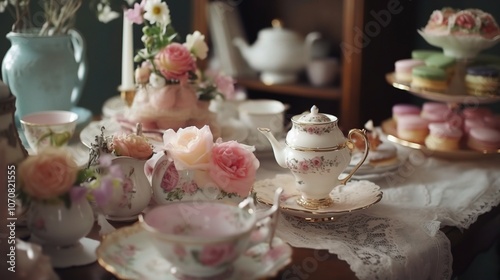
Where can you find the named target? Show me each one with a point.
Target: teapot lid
(314, 117)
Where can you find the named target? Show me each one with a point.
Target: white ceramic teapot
(316, 152)
(279, 54)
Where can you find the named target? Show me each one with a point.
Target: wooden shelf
(302, 90)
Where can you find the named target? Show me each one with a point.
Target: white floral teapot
(316, 152)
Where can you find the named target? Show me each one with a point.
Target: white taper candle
(127, 55)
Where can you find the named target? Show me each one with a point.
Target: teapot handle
(350, 145)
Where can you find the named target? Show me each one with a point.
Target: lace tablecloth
(399, 238)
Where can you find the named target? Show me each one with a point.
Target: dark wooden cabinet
(367, 36)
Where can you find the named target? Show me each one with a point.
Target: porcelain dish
(129, 253)
(354, 196)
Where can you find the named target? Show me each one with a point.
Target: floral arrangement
(52, 176)
(229, 166)
(463, 22)
(165, 60)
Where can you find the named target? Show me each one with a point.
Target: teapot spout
(278, 148)
(243, 46)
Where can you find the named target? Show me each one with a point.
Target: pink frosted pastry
(435, 111)
(492, 121)
(484, 139)
(403, 69)
(443, 137)
(476, 112)
(404, 109)
(412, 128)
(471, 123)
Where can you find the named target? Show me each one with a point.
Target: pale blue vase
(45, 72)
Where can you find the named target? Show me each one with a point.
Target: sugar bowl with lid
(316, 152)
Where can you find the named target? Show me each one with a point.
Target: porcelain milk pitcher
(316, 152)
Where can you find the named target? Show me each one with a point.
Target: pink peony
(131, 145)
(465, 20)
(233, 167)
(175, 62)
(190, 148)
(214, 255)
(48, 174)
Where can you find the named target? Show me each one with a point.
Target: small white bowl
(49, 128)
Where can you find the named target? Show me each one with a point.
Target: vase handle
(80, 50)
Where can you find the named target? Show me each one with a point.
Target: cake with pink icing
(471, 123)
(484, 139)
(403, 69)
(443, 137)
(404, 109)
(476, 112)
(467, 22)
(412, 128)
(493, 121)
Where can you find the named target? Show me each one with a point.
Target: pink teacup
(204, 238)
(49, 128)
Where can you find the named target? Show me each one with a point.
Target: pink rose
(225, 85)
(213, 255)
(131, 145)
(48, 174)
(175, 61)
(465, 20)
(189, 147)
(233, 167)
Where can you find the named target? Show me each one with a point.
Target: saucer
(128, 253)
(79, 254)
(354, 196)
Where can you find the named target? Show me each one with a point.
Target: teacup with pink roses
(193, 166)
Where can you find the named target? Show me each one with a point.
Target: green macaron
(428, 72)
(440, 61)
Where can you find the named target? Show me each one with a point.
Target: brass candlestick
(127, 95)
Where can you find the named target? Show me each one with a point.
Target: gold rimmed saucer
(128, 253)
(354, 196)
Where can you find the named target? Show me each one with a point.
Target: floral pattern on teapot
(317, 164)
(318, 130)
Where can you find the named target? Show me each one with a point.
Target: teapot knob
(277, 23)
(314, 110)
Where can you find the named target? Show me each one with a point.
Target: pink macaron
(404, 109)
(471, 123)
(403, 68)
(492, 121)
(444, 137)
(484, 139)
(476, 112)
(435, 112)
(412, 128)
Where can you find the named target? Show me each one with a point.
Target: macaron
(404, 109)
(429, 78)
(482, 80)
(471, 123)
(423, 54)
(443, 62)
(492, 121)
(476, 112)
(443, 137)
(412, 128)
(403, 67)
(435, 111)
(440, 61)
(484, 139)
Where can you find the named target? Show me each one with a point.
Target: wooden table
(318, 264)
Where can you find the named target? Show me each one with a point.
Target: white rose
(196, 44)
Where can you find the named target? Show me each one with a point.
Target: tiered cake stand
(464, 50)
